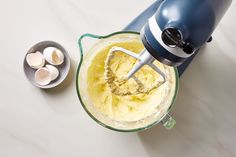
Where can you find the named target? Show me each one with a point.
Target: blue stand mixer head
(179, 28)
(175, 32)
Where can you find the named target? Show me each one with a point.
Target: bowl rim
(84, 106)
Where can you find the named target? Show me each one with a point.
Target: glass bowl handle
(98, 37)
(84, 36)
(168, 122)
(81, 46)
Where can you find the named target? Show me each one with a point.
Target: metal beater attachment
(115, 83)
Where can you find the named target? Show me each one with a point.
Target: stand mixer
(174, 32)
(171, 33)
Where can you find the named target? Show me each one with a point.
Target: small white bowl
(62, 68)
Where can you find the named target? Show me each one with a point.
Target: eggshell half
(53, 55)
(35, 60)
(53, 71)
(42, 76)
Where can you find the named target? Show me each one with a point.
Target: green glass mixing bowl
(81, 86)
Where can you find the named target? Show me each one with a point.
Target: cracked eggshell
(35, 60)
(53, 71)
(42, 76)
(53, 55)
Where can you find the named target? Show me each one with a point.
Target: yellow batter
(124, 108)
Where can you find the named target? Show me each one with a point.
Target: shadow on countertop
(204, 111)
(63, 99)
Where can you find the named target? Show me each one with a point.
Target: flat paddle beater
(144, 58)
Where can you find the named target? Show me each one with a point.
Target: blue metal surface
(195, 19)
(162, 52)
(140, 21)
(197, 28)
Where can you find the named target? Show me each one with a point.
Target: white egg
(43, 76)
(35, 60)
(53, 55)
(53, 71)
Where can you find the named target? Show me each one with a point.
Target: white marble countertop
(38, 123)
